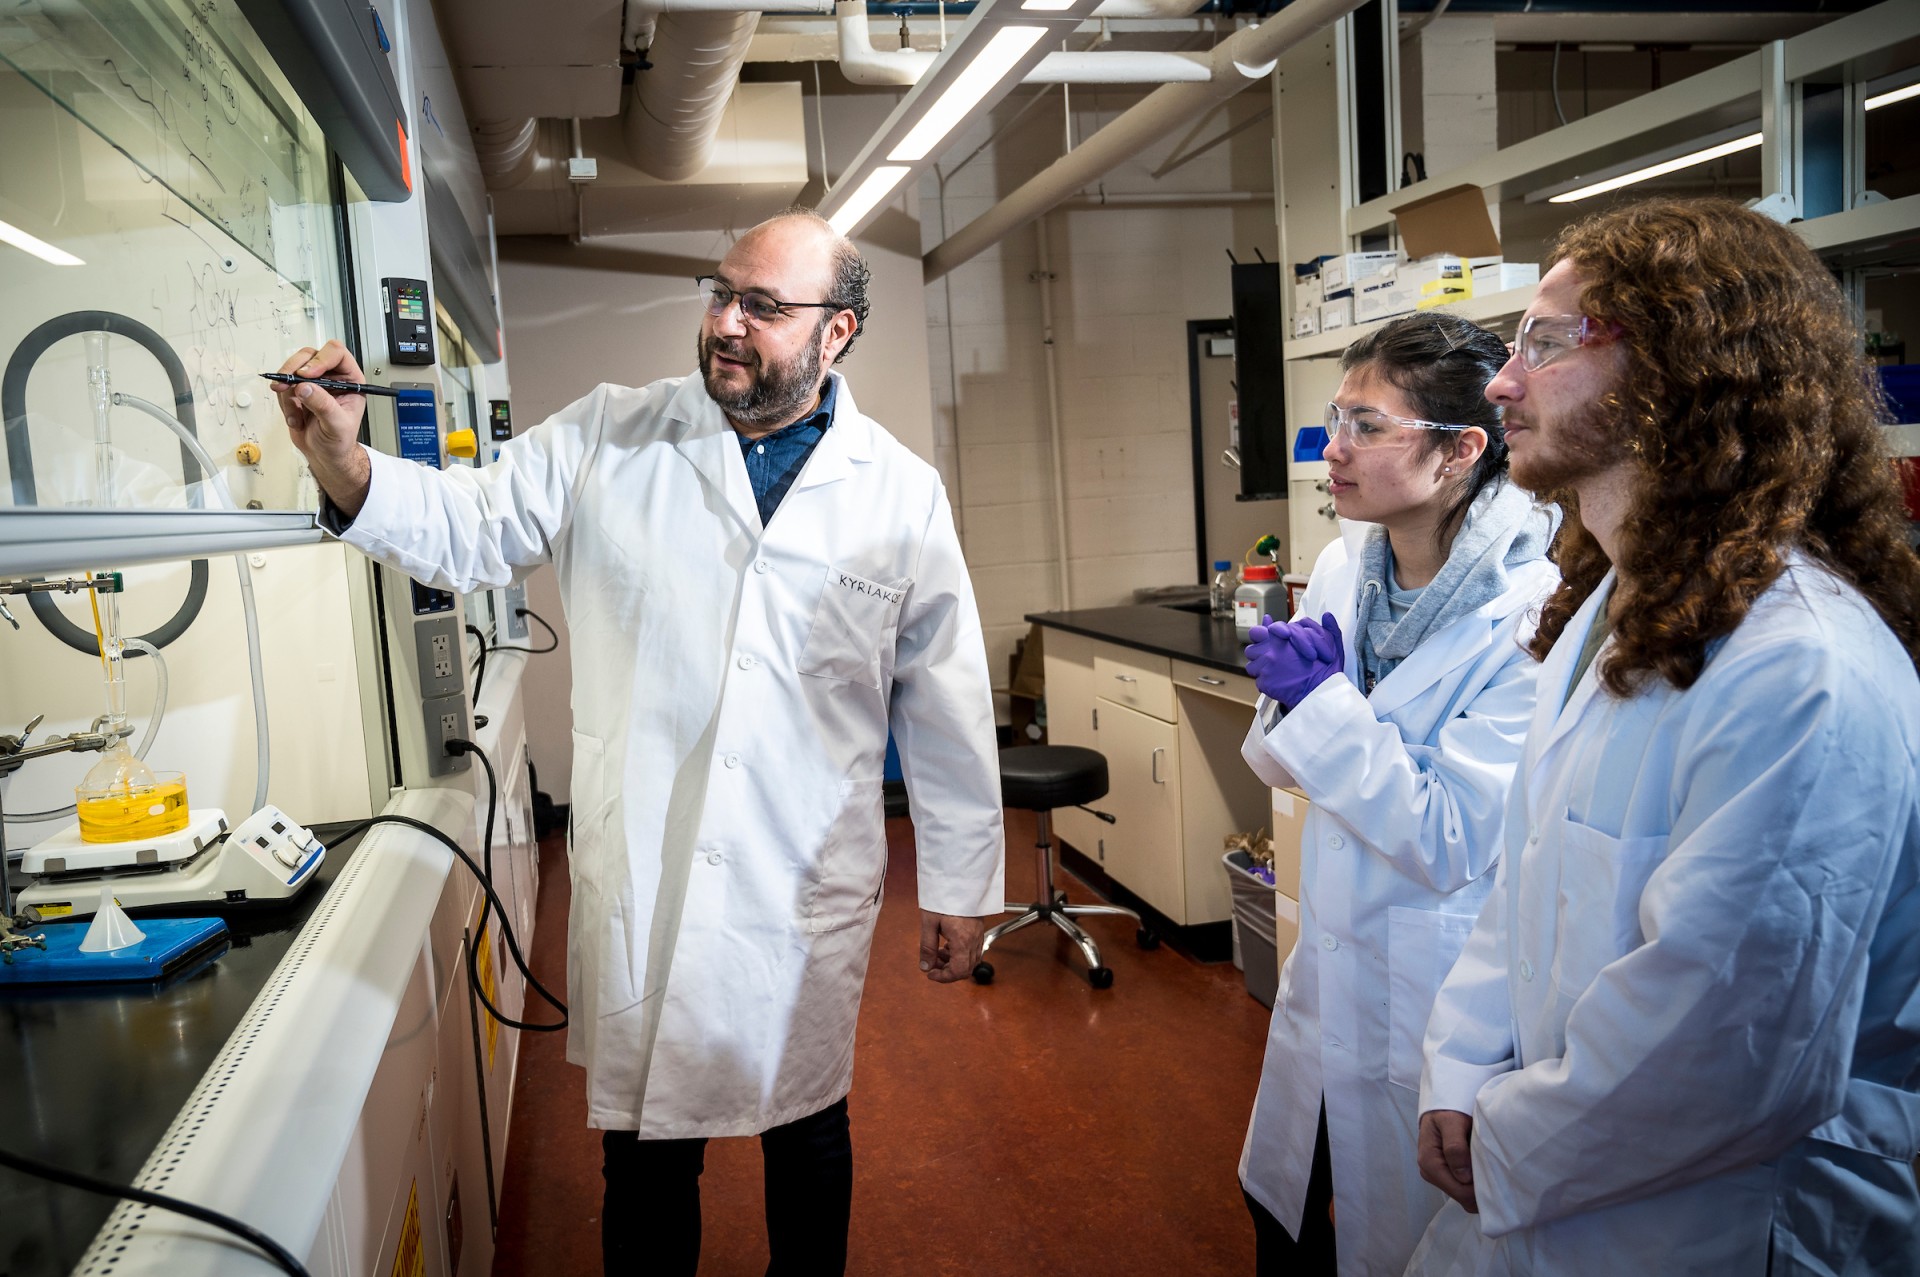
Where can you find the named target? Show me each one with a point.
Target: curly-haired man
(1685, 1034)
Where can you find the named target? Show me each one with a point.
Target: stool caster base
(1100, 978)
(1146, 939)
(983, 973)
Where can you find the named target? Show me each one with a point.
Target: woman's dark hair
(1442, 363)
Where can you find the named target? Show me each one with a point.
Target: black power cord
(553, 640)
(481, 676)
(282, 1258)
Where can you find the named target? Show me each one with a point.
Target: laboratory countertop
(1152, 627)
(92, 1076)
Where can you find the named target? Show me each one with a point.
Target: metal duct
(505, 149)
(1241, 60)
(861, 63)
(675, 109)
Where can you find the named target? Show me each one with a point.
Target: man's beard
(775, 393)
(1589, 442)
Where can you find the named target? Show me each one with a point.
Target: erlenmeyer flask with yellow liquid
(122, 798)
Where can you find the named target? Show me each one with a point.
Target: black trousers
(1277, 1253)
(650, 1222)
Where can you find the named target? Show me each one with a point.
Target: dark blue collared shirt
(774, 461)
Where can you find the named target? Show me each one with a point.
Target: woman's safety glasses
(1544, 338)
(1371, 428)
(758, 308)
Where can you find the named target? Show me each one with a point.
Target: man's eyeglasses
(1371, 428)
(758, 309)
(1544, 338)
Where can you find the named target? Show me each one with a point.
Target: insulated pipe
(1239, 61)
(505, 149)
(675, 110)
(1107, 9)
(861, 63)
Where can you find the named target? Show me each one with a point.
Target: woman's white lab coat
(1688, 1023)
(732, 692)
(1409, 788)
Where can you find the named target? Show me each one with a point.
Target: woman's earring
(1446, 469)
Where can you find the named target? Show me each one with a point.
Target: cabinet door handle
(1126, 678)
(1212, 682)
(1153, 763)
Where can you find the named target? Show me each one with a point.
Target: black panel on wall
(1258, 326)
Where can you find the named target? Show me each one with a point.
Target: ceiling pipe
(861, 63)
(674, 113)
(1239, 62)
(505, 149)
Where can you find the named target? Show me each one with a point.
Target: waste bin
(1255, 942)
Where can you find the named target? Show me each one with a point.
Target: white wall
(1126, 283)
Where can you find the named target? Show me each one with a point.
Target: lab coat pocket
(1422, 947)
(853, 863)
(852, 624)
(1601, 881)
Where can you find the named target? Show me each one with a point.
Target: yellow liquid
(146, 811)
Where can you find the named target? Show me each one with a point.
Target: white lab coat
(1687, 1024)
(732, 693)
(1409, 788)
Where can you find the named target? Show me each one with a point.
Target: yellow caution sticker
(54, 911)
(410, 1260)
(483, 954)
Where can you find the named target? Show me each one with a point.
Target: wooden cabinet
(1171, 732)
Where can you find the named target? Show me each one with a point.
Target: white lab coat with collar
(733, 687)
(1687, 1024)
(1409, 788)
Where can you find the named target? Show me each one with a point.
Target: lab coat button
(713, 857)
(763, 567)
(747, 662)
(1329, 943)
(1336, 842)
(1526, 970)
(732, 760)
(1533, 833)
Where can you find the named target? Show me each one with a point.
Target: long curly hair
(1752, 420)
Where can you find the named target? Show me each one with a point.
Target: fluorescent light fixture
(1674, 165)
(1892, 96)
(1047, 6)
(982, 75)
(46, 252)
(878, 186)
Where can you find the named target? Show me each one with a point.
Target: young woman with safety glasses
(1397, 702)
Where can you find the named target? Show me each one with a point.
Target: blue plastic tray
(170, 943)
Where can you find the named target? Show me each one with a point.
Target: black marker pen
(328, 383)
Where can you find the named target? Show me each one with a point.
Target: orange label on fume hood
(410, 1260)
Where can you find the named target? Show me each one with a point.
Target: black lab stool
(1039, 779)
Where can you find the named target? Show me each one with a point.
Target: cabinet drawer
(1201, 678)
(1136, 680)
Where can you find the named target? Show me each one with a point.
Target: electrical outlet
(442, 649)
(445, 720)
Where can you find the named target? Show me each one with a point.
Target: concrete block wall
(1126, 281)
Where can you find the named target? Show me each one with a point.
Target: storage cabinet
(1171, 733)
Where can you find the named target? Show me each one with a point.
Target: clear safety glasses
(1544, 338)
(759, 309)
(1371, 428)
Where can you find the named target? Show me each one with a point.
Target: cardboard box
(1382, 297)
(1305, 323)
(1452, 221)
(1306, 292)
(1499, 277)
(1340, 273)
(1290, 808)
(1286, 926)
(1337, 313)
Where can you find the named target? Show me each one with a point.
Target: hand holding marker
(332, 385)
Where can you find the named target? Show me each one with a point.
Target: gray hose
(262, 753)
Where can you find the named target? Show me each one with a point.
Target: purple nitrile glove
(1289, 661)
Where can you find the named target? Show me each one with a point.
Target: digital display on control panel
(409, 327)
(499, 420)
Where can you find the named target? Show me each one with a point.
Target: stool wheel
(1100, 978)
(983, 973)
(1146, 939)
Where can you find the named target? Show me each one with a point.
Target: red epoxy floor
(1035, 1126)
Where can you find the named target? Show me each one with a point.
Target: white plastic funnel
(111, 928)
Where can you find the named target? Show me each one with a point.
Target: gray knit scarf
(1503, 529)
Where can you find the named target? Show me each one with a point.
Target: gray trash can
(1255, 941)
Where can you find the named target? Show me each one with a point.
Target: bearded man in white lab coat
(759, 581)
(1684, 1036)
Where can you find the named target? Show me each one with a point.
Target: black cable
(553, 639)
(282, 1258)
(486, 885)
(506, 928)
(480, 677)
